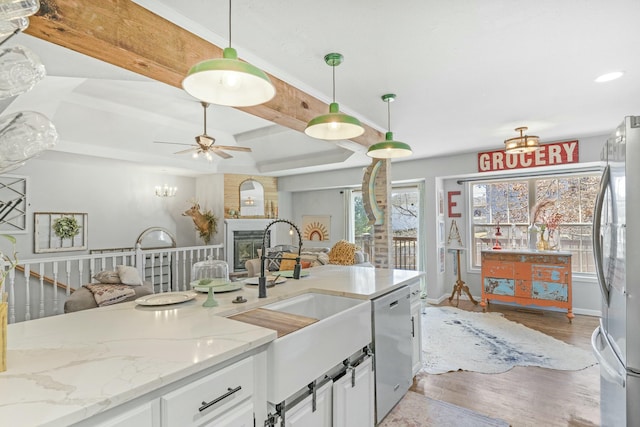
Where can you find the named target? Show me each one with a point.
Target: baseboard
(581, 311)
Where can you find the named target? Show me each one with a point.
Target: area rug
(458, 340)
(416, 410)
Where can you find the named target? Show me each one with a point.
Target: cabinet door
(416, 332)
(353, 398)
(303, 415)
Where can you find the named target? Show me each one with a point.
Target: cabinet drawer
(210, 397)
(497, 269)
(550, 273)
(499, 286)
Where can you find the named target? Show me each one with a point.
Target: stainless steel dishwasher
(391, 319)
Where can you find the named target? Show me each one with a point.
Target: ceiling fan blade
(173, 143)
(188, 150)
(233, 148)
(222, 154)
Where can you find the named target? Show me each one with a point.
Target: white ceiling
(466, 73)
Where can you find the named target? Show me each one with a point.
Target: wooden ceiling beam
(123, 33)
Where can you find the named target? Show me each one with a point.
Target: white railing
(39, 287)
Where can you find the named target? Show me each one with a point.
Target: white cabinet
(145, 415)
(223, 398)
(353, 397)
(416, 327)
(346, 402)
(303, 414)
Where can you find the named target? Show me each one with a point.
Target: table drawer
(210, 397)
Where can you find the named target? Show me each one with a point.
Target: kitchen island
(96, 365)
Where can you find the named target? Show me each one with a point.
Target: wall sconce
(166, 191)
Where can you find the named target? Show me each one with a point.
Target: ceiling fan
(205, 144)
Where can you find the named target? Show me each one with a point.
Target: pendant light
(228, 81)
(389, 149)
(522, 143)
(335, 125)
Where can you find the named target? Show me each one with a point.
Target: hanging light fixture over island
(389, 149)
(228, 81)
(335, 125)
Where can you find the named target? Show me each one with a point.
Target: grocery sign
(557, 153)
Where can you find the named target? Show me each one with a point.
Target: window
(404, 224)
(566, 204)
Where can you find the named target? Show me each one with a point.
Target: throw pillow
(305, 264)
(108, 277)
(288, 261)
(128, 275)
(272, 263)
(343, 253)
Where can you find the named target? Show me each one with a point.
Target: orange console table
(527, 278)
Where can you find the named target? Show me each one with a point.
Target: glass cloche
(210, 272)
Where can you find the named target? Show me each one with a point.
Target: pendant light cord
(333, 68)
(229, 23)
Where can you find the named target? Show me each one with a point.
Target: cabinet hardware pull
(413, 326)
(229, 392)
(393, 304)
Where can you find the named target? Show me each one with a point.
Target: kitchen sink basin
(319, 306)
(298, 358)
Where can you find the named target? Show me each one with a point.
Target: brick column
(376, 185)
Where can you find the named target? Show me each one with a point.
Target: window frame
(473, 254)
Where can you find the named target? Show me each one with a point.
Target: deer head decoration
(206, 223)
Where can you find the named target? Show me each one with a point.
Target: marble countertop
(66, 368)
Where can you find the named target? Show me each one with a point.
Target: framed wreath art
(60, 231)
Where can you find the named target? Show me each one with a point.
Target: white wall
(118, 197)
(311, 194)
(321, 202)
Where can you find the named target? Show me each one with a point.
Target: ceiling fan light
(334, 126)
(522, 143)
(228, 81)
(389, 149)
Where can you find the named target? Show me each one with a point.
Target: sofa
(282, 257)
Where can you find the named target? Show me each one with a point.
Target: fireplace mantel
(232, 225)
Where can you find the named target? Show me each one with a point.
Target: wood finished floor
(527, 396)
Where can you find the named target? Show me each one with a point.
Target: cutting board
(283, 323)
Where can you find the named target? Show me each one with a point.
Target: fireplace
(243, 237)
(245, 246)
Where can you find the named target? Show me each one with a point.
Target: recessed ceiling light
(609, 76)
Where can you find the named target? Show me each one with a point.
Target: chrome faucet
(262, 280)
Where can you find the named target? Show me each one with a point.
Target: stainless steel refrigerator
(616, 341)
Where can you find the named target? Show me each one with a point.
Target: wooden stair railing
(46, 279)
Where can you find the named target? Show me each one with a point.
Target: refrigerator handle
(597, 242)
(607, 370)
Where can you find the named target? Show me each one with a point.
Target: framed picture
(13, 204)
(59, 231)
(316, 227)
(440, 203)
